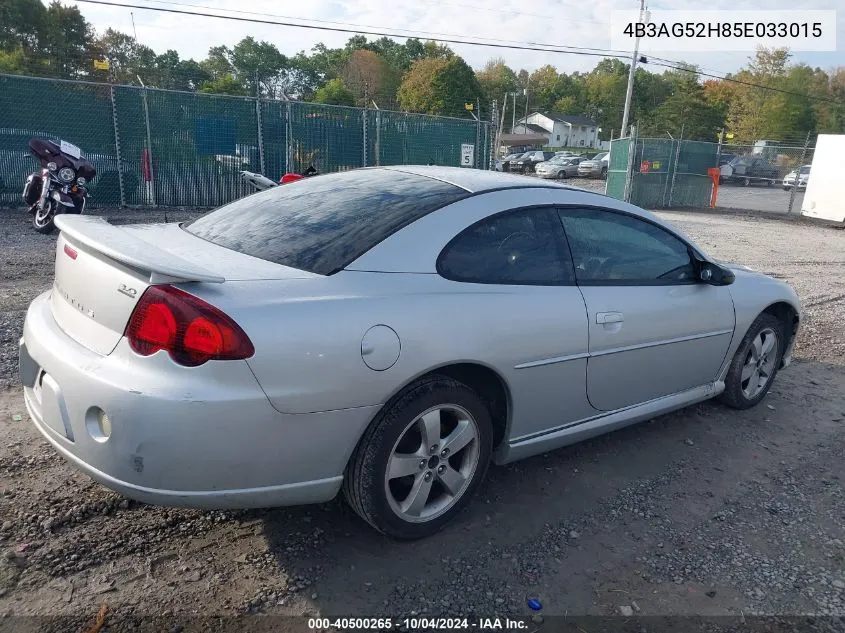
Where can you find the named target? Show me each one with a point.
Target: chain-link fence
(160, 147)
(666, 173)
(765, 176)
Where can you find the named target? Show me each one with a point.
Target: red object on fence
(145, 165)
(714, 173)
(645, 166)
(290, 178)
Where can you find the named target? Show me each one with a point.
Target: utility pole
(527, 85)
(513, 112)
(631, 72)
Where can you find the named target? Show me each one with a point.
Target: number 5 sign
(467, 155)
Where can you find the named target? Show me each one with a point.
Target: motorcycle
(60, 185)
(260, 182)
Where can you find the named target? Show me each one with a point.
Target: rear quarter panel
(308, 339)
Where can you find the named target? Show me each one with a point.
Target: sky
(575, 23)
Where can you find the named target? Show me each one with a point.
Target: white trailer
(825, 195)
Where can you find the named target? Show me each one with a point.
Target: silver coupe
(387, 332)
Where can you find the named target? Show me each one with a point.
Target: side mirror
(715, 275)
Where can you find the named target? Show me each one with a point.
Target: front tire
(421, 460)
(43, 221)
(755, 364)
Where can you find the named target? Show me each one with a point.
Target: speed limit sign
(467, 155)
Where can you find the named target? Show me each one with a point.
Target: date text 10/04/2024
(417, 624)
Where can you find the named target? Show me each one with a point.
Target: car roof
(476, 180)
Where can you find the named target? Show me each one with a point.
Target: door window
(610, 248)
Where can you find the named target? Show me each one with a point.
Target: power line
(570, 50)
(528, 46)
(750, 83)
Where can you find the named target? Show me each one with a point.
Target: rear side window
(323, 223)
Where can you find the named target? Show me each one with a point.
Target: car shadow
(336, 564)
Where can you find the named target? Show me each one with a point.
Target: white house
(562, 130)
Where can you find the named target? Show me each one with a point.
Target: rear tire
(399, 459)
(755, 364)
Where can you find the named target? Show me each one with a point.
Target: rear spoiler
(97, 234)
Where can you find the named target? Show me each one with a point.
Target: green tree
(335, 92)
(686, 111)
(497, 80)
(260, 66)
(225, 85)
(127, 58)
(439, 86)
(14, 62)
(21, 25)
(545, 88)
(66, 40)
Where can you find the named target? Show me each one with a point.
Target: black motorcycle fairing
(49, 151)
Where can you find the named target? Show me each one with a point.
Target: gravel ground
(705, 511)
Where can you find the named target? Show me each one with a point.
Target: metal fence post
(478, 140)
(378, 138)
(675, 166)
(364, 130)
(117, 149)
(149, 147)
(719, 148)
(629, 170)
(798, 176)
(288, 137)
(260, 133)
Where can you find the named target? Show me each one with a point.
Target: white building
(561, 130)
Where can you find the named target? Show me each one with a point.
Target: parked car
(595, 167)
(261, 356)
(803, 178)
(526, 163)
(558, 167)
(503, 164)
(725, 159)
(748, 170)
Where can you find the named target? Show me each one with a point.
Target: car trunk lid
(101, 271)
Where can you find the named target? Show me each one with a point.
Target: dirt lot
(706, 511)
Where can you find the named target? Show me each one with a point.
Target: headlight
(81, 180)
(66, 174)
(51, 166)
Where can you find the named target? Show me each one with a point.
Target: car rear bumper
(204, 437)
(589, 173)
(547, 174)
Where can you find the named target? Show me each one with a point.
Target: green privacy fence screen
(160, 147)
(662, 173)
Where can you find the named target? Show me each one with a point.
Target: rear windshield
(323, 223)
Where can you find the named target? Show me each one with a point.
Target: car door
(655, 329)
(511, 279)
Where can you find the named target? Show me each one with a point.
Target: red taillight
(191, 330)
(70, 252)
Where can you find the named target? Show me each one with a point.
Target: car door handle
(609, 317)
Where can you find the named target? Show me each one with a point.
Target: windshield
(600, 156)
(560, 160)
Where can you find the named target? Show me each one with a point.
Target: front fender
(752, 294)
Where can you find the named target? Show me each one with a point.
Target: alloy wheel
(759, 363)
(432, 463)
